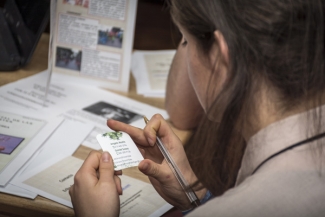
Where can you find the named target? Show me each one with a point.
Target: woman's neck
(269, 109)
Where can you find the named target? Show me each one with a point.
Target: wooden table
(151, 34)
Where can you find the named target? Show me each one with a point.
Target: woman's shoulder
(278, 193)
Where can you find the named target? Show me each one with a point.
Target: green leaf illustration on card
(113, 135)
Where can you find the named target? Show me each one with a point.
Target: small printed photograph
(9, 143)
(109, 111)
(110, 36)
(83, 3)
(68, 58)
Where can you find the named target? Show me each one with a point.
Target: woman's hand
(154, 165)
(96, 189)
(2, 148)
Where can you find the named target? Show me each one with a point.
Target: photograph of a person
(110, 36)
(68, 58)
(109, 111)
(9, 143)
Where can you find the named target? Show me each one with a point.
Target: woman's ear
(221, 46)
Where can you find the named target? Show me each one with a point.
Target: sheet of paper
(141, 199)
(92, 41)
(53, 179)
(150, 70)
(123, 150)
(21, 135)
(18, 191)
(64, 142)
(78, 102)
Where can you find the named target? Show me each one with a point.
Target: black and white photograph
(68, 58)
(109, 111)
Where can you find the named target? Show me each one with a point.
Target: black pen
(195, 202)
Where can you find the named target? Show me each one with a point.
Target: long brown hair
(279, 42)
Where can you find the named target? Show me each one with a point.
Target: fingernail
(105, 157)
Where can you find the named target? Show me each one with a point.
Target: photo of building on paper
(9, 143)
(83, 3)
(110, 36)
(109, 111)
(68, 58)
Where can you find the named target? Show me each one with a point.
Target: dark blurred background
(154, 28)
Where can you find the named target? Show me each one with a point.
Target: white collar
(272, 139)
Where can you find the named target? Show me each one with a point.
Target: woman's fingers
(154, 170)
(158, 126)
(135, 133)
(89, 167)
(118, 172)
(96, 193)
(118, 185)
(106, 168)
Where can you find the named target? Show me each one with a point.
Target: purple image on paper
(9, 143)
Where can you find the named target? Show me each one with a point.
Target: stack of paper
(54, 178)
(29, 141)
(80, 103)
(84, 118)
(46, 117)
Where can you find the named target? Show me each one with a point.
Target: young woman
(249, 77)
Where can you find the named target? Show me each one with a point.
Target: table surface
(158, 37)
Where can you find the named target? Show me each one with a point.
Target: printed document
(123, 150)
(91, 41)
(76, 102)
(150, 70)
(21, 135)
(64, 141)
(53, 180)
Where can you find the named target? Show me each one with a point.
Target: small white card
(123, 150)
